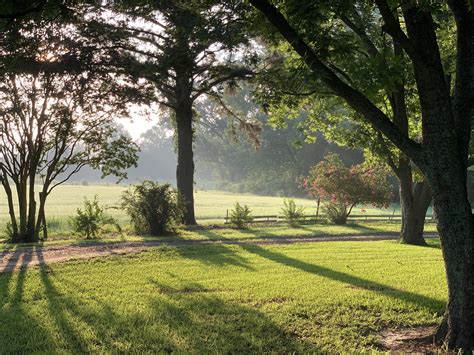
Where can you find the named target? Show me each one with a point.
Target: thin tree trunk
(41, 220)
(31, 233)
(22, 209)
(11, 210)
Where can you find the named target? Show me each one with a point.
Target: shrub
(90, 221)
(336, 212)
(153, 209)
(9, 232)
(341, 187)
(292, 213)
(240, 216)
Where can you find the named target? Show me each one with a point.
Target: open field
(329, 297)
(210, 205)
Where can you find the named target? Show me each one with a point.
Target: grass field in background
(65, 199)
(304, 298)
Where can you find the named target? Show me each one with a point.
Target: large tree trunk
(446, 127)
(455, 227)
(185, 168)
(415, 199)
(185, 135)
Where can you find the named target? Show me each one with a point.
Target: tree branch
(392, 27)
(358, 101)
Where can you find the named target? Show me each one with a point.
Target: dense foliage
(153, 209)
(342, 187)
(185, 50)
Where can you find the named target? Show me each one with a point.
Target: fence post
(227, 216)
(317, 208)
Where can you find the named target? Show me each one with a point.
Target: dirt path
(11, 260)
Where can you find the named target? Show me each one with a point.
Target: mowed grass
(319, 297)
(254, 233)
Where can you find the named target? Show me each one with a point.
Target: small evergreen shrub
(90, 221)
(292, 213)
(240, 216)
(153, 209)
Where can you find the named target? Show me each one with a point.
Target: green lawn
(320, 297)
(260, 232)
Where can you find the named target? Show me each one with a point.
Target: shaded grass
(325, 297)
(256, 233)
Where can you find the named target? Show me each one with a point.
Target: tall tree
(57, 109)
(442, 154)
(186, 49)
(286, 90)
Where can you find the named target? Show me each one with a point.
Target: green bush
(90, 221)
(337, 212)
(153, 209)
(292, 213)
(240, 216)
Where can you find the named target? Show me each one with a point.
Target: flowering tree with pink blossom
(342, 187)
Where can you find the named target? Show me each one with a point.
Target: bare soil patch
(417, 340)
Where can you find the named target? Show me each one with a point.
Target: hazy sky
(141, 119)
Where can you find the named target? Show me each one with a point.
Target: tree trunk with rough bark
(415, 198)
(185, 133)
(455, 227)
(185, 168)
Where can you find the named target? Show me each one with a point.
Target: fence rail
(313, 217)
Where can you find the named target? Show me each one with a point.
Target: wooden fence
(314, 218)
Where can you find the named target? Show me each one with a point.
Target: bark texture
(185, 133)
(415, 198)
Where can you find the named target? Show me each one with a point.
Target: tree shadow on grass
(434, 305)
(183, 317)
(215, 254)
(19, 329)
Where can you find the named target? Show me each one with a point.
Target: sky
(141, 119)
